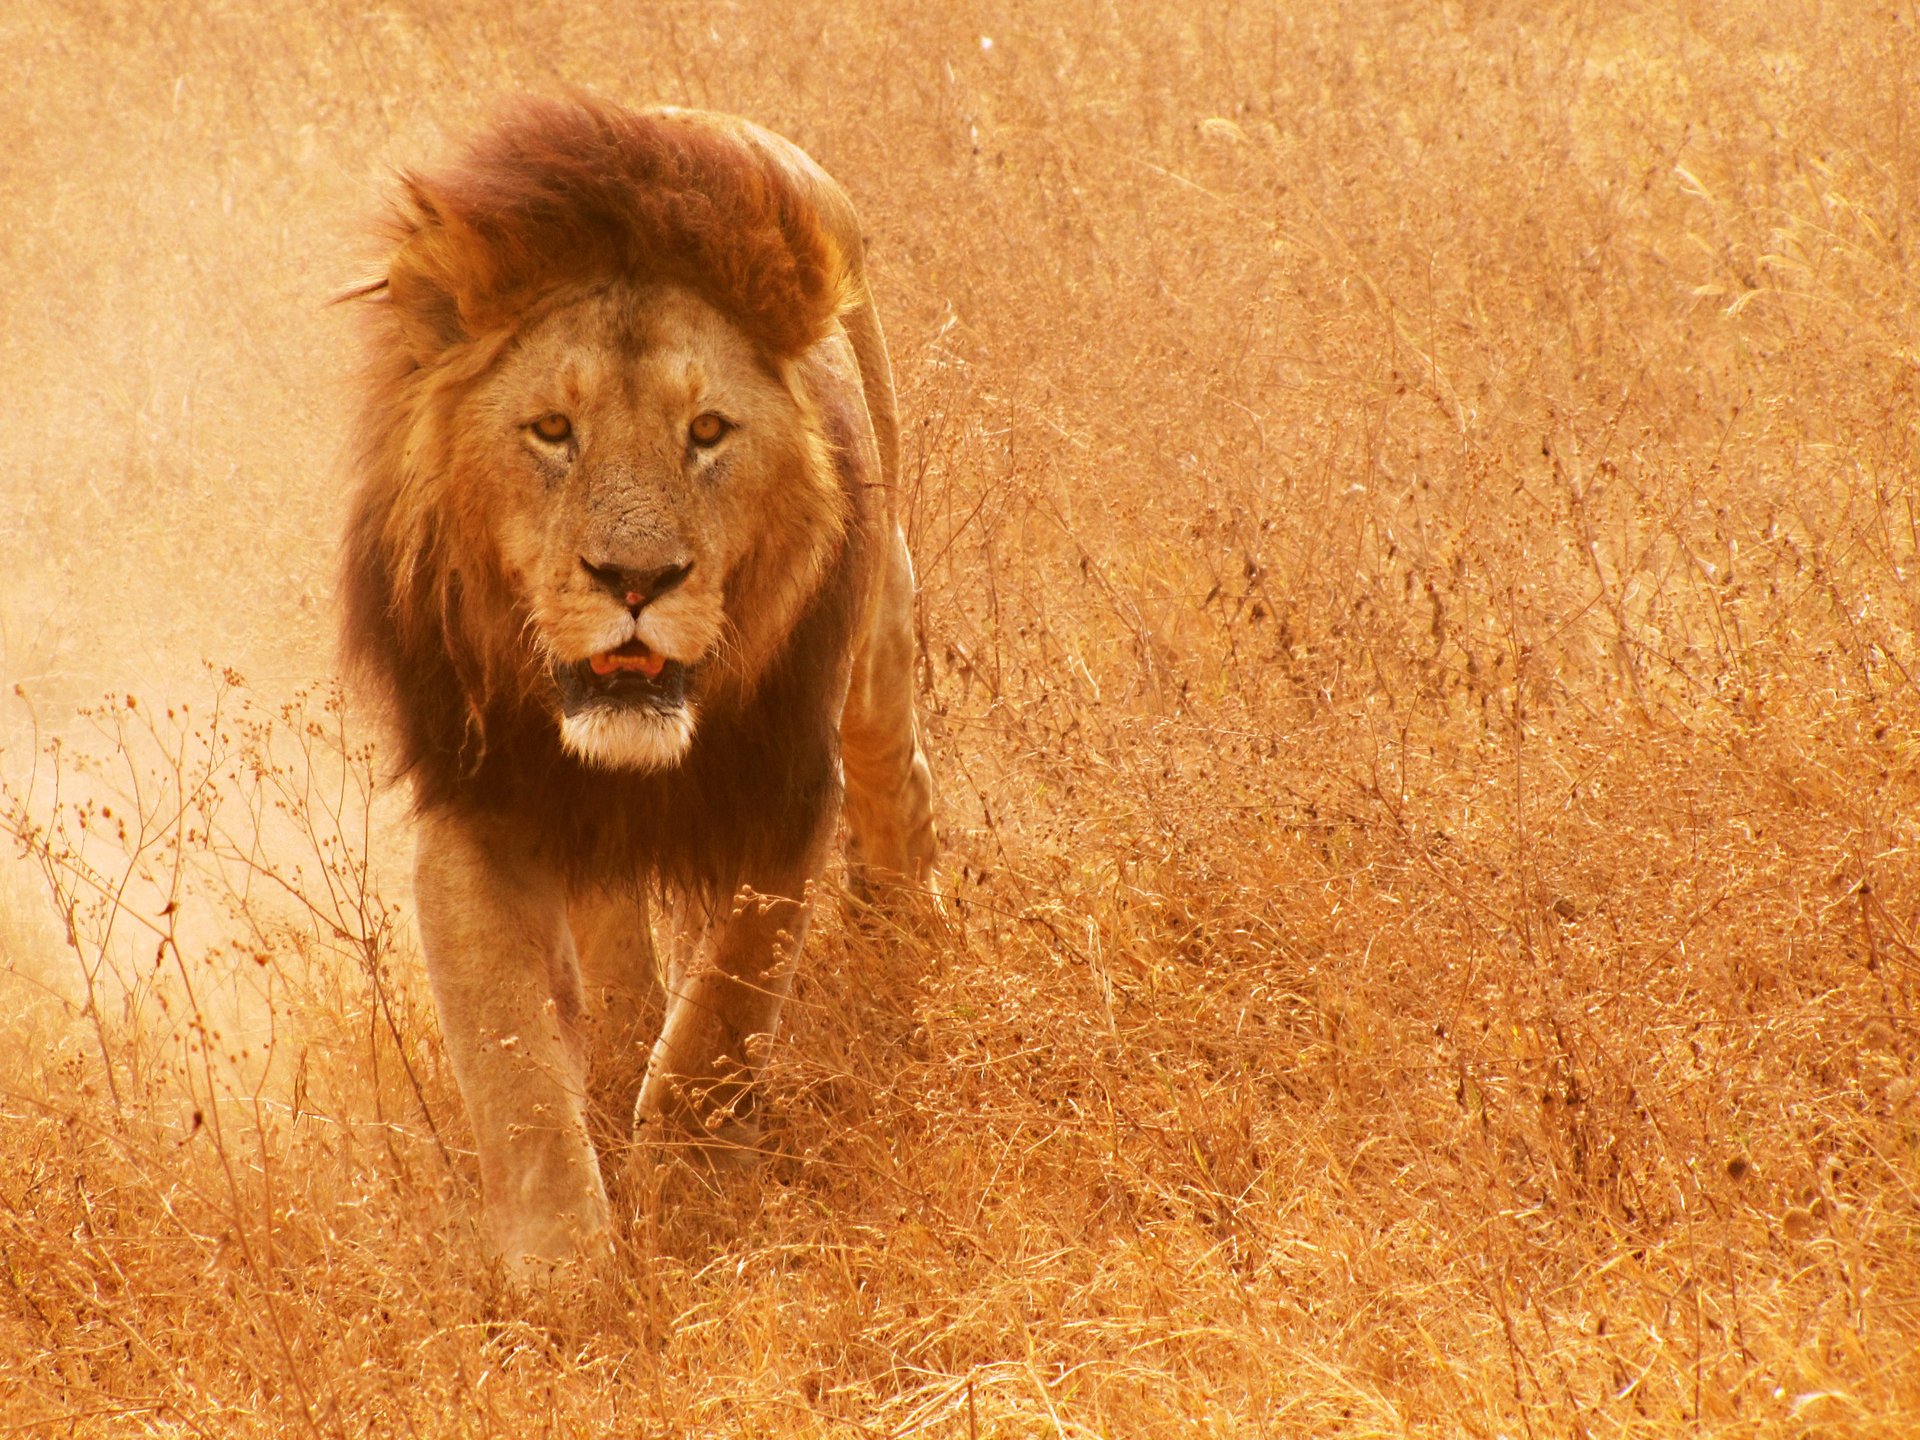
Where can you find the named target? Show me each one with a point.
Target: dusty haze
(1415, 507)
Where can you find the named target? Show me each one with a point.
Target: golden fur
(623, 568)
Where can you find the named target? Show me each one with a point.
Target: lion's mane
(555, 197)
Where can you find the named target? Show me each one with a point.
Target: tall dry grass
(1416, 516)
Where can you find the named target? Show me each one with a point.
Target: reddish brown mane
(561, 191)
(556, 196)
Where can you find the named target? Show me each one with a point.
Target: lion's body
(624, 566)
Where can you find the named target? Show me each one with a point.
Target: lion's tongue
(630, 656)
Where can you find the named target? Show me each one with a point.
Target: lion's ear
(429, 314)
(421, 277)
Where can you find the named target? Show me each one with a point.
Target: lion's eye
(707, 429)
(552, 428)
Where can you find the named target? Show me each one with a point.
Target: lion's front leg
(507, 988)
(722, 1007)
(622, 993)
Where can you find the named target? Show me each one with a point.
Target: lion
(623, 567)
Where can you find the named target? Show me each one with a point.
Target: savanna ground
(1415, 506)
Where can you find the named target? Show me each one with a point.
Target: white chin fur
(629, 739)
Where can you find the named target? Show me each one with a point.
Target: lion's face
(659, 502)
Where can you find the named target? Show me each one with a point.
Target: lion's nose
(636, 589)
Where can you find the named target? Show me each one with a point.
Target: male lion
(624, 566)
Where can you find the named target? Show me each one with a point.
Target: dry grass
(1416, 509)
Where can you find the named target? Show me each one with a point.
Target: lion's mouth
(630, 658)
(633, 674)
